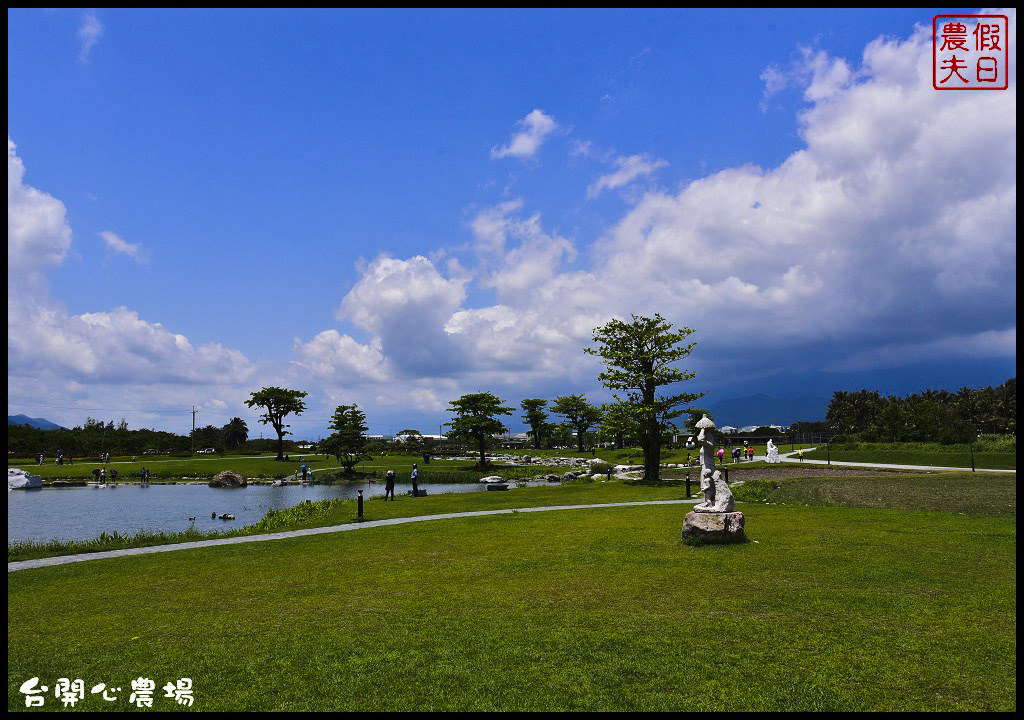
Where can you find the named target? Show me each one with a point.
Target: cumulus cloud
(38, 235)
(46, 344)
(342, 359)
(628, 169)
(89, 32)
(115, 244)
(535, 128)
(888, 239)
(404, 304)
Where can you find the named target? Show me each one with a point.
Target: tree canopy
(536, 418)
(348, 441)
(579, 413)
(278, 403)
(476, 420)
(639, 359)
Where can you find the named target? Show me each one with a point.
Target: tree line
(929, 416)
(95, 437)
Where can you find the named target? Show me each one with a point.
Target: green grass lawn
(931, 454)
(829, 607)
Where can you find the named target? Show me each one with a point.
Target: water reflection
(78, 513)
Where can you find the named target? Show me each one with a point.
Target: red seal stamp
(970, 52)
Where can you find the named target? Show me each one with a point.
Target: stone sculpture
(772, 454)
(717, 495)
(714, 520)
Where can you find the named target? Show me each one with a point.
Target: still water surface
(82, 513)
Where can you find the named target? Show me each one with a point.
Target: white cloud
(629, 169)
(112, 348)
(89, 32)
(404, 305)
(342, 359)
(38, 236)
(535, 129)
(890, 238)
(115, 244)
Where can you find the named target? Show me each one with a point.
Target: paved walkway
(67, 559)
(794, 457)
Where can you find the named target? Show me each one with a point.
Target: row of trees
(933, 415)
(639, 358)
(95, 437)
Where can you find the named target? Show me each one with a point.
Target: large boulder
(713, 528)
(228, 479)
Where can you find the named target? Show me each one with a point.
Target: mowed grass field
(828, 607)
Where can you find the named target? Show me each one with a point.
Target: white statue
(717, 496)
(772, 454)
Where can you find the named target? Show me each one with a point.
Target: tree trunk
(652, 456)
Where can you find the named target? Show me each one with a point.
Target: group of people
(101, 475)
(389, 483)
(738, 454)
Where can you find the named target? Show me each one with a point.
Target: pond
(82, 513)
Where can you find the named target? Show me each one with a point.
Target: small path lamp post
(690, 445)
(973, 434)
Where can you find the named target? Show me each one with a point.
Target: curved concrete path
(793, 457)
(67, 559)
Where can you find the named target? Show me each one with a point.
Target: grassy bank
(932, 454)
(829, 607)
(338, 512)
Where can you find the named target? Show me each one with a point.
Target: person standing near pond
(389, 485)
(415, 477)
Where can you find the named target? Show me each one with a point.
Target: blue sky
(396, 207)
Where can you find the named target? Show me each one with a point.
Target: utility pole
(193, 429)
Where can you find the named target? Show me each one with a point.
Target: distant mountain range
(41, 423)
(766, 410)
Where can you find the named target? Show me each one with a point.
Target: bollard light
(360, 503)
(687, 486)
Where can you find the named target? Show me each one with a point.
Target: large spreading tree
(278, 403)
(639, 358)
(476, 420)
(578, 413)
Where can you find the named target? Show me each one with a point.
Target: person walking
(389, 485)
(415, 481)
(721, 455)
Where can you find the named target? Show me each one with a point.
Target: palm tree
(235, 433)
